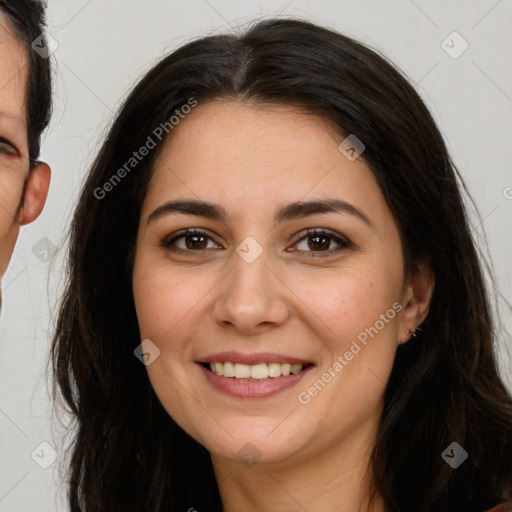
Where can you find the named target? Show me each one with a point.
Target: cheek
(347, 301)
(355, 314)
(358, 326)
(336, 305)
(159, 301)
(7, 243)
(167, 299)
(10, 197)
(11, 189)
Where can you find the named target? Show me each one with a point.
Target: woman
(268, 222)
(25, 104)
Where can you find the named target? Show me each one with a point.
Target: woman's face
(14, 160)
(252, 287)
(14, 151)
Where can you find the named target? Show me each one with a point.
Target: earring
(413, 333)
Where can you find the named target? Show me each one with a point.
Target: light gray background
(104, 46)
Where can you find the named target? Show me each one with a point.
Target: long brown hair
(127, 453)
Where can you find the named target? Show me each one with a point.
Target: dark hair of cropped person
(127, 452)
(27, 20)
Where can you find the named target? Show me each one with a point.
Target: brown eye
(316, 242)
(319, 241)
(188, 240)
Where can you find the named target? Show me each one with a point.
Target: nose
(253, 297)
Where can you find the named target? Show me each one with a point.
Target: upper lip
(252, 358)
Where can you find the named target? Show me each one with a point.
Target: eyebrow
(288, 212)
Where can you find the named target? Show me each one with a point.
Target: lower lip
(251, 388)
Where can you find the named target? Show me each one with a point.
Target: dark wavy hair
(127, 453)
(28, 22)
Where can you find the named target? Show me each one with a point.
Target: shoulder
(502, 507)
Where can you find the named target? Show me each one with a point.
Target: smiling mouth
(254, 372)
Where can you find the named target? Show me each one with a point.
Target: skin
(15, 172)
(252, 160)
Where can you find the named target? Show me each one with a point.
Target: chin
(251, 443)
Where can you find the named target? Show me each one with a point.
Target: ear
(416, 299)
(36, 190)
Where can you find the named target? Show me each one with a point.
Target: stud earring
(413, 333)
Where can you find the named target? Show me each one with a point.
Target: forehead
(252, 159)
(254, 149)
(234, 138)
(13, 73)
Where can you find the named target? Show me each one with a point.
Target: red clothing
(502, 507)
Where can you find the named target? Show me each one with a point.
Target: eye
(188, 240)
(317, 240)
(6, 148)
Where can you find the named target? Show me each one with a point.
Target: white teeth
(296, 368)
(274, 370)
(285, 369)
(219, 368)
(229, 370)
(242, 371)
(260, 371)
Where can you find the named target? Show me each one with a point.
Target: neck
(336, 479)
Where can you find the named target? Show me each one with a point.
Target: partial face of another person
(15, 174)
(253, 285)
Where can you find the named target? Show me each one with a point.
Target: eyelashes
(6, 148)
(320, 238)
